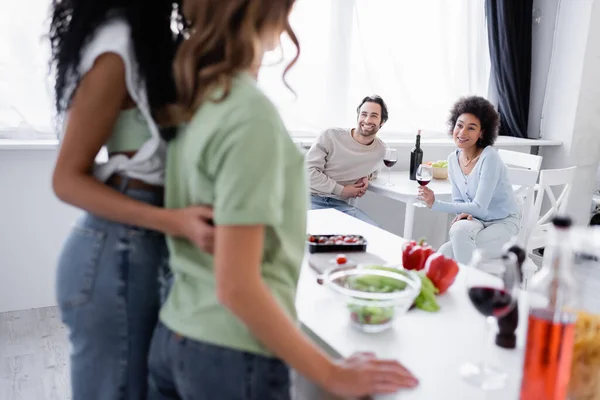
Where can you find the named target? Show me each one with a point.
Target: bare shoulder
(108, 65)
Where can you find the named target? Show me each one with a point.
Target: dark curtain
(509, 35)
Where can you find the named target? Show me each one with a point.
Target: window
(25, 87)
(419, 56)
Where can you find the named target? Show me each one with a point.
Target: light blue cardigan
(486, 193)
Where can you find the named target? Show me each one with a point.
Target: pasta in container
(584, 383)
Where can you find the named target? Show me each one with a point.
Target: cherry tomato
(312, 239)
(322, 239)
(341, 259)
(350, 239)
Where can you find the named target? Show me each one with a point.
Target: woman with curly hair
(227, 330)
(113, 73)
(487, 212)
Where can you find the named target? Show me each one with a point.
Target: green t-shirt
(236, 156)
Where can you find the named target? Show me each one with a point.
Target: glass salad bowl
(374, 295)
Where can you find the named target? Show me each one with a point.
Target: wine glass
(424, 176)
(389, 160)
(492, 284)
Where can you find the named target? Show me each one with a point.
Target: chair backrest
(550, 178)
(523, 181)
(520, 160)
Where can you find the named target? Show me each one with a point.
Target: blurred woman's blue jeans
(187, 369)
(108, 294)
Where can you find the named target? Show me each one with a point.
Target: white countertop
(432, 345)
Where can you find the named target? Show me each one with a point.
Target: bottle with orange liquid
(551, 323)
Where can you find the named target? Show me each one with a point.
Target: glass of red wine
(492, 284)
(424, 175)
(390, 159)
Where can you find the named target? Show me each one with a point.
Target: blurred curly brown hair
(484, 111)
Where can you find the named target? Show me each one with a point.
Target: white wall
(33, 225)
(571, 97)
(542, 39)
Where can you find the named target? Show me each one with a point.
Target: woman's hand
(195, 224)
(461, 216)
(426, 195)
(363, 374)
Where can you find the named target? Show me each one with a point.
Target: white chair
(549, 180)
(517, 161)
(524, 182)
(520, 160)
(537, 234)
(524, 167)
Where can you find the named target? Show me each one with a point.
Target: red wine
(389, 163)
(423, 182)
(490, 302)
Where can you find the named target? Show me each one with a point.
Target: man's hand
(354, 190)
(365, 182)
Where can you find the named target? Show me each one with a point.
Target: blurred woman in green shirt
(228, 328)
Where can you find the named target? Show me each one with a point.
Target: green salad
(372, 315)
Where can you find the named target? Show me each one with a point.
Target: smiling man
(341, 162)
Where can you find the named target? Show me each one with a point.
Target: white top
(432, 345)
(336, 159)
(486, 193)
(148, 164)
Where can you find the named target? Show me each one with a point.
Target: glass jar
(584, 383)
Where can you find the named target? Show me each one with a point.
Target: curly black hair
(484, 111)
(378, 100)
(74, 22)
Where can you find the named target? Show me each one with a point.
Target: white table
(432, 345)
(405, 190)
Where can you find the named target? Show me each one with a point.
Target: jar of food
(584, 383)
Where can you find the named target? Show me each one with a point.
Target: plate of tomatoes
(336, 243)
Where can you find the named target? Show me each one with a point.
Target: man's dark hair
(484, 111)
(375, 99)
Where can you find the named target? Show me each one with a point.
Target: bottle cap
(562, 221)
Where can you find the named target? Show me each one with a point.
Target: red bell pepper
(415, 255)
(405, 254)
(442, 271)
(427, 251)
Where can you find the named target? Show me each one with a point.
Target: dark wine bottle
(507, 325)
(416, 157)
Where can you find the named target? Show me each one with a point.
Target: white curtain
(26, 107)
(420, 56)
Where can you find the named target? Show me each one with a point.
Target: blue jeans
(186, 369)
(108, 294)
(320, 202)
